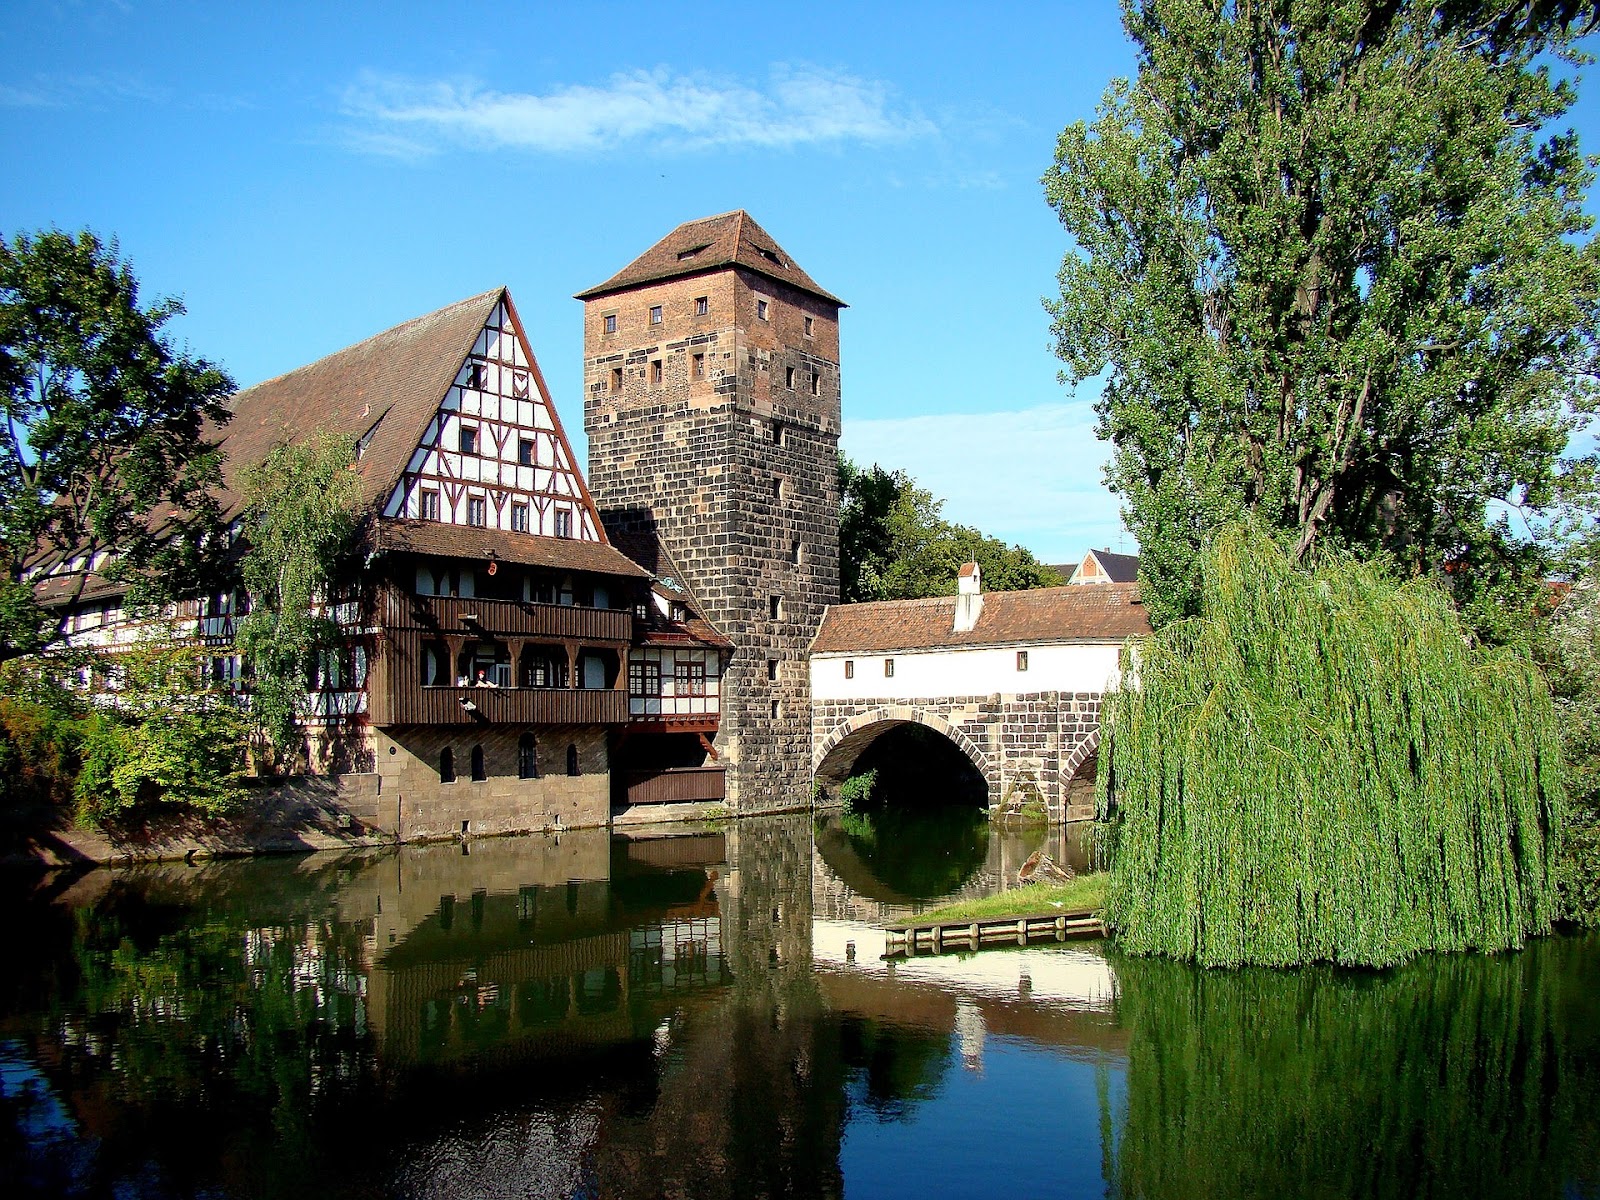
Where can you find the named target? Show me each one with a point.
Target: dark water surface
(708, 1015)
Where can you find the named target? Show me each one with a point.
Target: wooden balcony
(674, 785)
(474, 617)
(412, 704)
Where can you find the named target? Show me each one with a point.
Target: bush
(41, 732)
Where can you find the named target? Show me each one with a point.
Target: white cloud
(798, 106)
(1031, 477)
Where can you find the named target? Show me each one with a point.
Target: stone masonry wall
(702, 440)
(1038, 745)
(405, 798)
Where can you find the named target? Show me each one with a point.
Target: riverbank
(1084, 893)
(273, 822)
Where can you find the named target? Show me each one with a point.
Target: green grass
(1086, 891)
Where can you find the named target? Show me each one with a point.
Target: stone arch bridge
(1014, 680)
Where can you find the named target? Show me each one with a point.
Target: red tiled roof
(384, 389)
(730, 239)
(468, 541)
(1108, 613)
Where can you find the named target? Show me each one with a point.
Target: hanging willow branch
(1319, 768)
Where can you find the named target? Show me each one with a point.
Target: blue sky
(306, 175)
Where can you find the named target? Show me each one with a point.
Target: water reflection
(709, 1014)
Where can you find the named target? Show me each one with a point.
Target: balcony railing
(674, 785)
(412, 704)
(562, 622)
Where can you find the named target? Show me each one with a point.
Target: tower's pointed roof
(732, 239)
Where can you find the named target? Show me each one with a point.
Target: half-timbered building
(497, 645)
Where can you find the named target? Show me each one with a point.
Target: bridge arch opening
(917, 764)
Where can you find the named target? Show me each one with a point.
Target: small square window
(697, 368)
(610, 322)
(475, 376)
(816, 383)
(811, 326)
(477, 512)
(702, 306)
(564, 522)
(849, 668)
(761, 310)
(655, 370)
(469, 439)
(775, 608)
(525, 451)
(428, 510)
(519, 518)
(1022, 660)
(655, 314)
(616, 379)
(888, 668)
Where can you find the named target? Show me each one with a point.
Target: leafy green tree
(170, 739)
(103, 448)
(894, 545)
(1571, 661)
(1338, 276)
(299, 523)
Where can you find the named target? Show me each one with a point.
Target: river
(708, 1014)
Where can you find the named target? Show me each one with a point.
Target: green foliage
(1454, 1075)
(41, 732)
(894, 545)
(1571, 651)
(1336, 277)
(857, 790)
(300, 522)
(170, 740)
(1319, 768)
(102, 446)
(1086, 892)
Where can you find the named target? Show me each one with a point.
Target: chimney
(969, 598)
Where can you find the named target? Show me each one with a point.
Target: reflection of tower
(751, 1095)
(711, 403)
(971, 1031)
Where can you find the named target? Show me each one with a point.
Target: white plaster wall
(975, 671)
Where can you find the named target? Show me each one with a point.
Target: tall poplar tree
(1333, 262)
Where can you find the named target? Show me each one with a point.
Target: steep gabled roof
(1118, 568)
(382, 391)
(731, 239)
(1060, 614)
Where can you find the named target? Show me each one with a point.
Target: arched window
(527, 757)
(477, 764)
(572, 759)
(447, 766)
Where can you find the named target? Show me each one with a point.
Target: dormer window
(769, 255)
(685, 255)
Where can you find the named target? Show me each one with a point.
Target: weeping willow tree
(1319, 767)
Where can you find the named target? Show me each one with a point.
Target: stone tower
(711, 402)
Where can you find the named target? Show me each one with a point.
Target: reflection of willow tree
(1452, 1076)
(215, 1042)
